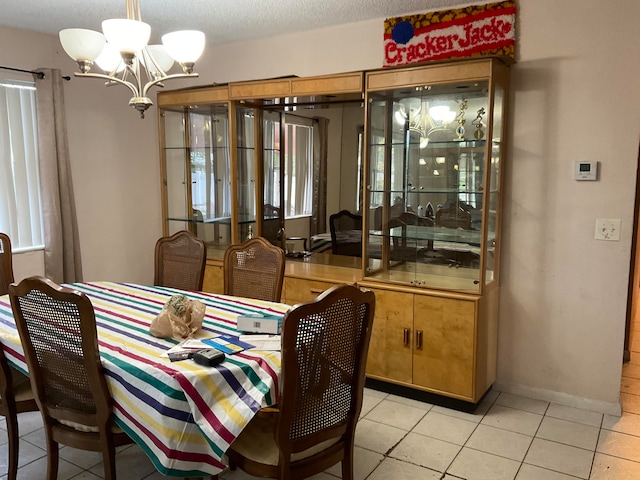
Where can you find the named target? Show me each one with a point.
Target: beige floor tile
(522, 403)
(410, 402)
(511, 419)
(630, 403)
(575, 414)
(370, 392)
(368, 403)
(322, 476)
(619, 445)
(426, 451)
(364, 462)
(396, 414)
(531, 472)
(38, 470)
(376, 436)
(569, 433)
(391, 469)
(630, 385)
(606, 467)
(628, 423)
(474, 465)
(446, 428)
(471, 417)
(500, 442)
(560, 458)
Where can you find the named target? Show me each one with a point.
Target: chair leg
(14, 439)
(109, 460)
(347, 464)
(52, 457)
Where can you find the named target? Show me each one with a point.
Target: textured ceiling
(223, 21)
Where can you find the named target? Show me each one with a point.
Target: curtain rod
(39, 74)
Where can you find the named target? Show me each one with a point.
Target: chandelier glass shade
(123, 53)
(421, 117)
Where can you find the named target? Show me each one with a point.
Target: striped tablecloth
(183, 415)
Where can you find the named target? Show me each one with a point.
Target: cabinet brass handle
(419, 339)
(405, 333)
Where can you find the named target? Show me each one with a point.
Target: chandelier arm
(168, 77)
(129, 85)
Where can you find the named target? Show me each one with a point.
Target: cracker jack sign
(479, 30)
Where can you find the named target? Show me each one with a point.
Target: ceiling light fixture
(124, 54)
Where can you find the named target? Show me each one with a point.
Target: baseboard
(561, 398)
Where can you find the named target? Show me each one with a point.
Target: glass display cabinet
(434, 147)
(433, 192)
(196, 171)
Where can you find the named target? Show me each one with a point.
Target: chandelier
(420, 116)
(123, 53)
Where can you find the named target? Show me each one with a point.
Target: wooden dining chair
(453, 216)
(16, 397)
(324, 353)
(180, 261)
(57, 328)
(6, 264)
(346, 233)
(254, 269)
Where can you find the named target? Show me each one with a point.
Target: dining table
(182, 414)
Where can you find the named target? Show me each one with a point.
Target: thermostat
(586, 171)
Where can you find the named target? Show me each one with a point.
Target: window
(20, 203)
(298, 164)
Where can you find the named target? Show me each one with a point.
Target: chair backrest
(409, 218)
(346, 233)
(180, 261)
(271, 224)
(57, 330)
(453, 216)
(6, 264)
(254, 269)
(324, 353)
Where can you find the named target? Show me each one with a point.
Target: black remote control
(208, 357)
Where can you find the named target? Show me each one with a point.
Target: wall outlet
(608, 229)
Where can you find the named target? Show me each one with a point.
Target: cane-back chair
(16, 397)
(254, 269)
(324, 352)
(180, 261)
(346, 233)
(57, 329)
(6, 264)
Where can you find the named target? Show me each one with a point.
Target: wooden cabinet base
(424, 396)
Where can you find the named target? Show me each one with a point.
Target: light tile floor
(508, 437)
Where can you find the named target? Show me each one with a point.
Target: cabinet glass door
(246, 171)
(210, 174)
(176, 159)
(197, 173)
(273, 214)
(426, 185)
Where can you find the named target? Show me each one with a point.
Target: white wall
(575, 96)
(114, 160)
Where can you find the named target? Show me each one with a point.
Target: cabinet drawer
(298, 290)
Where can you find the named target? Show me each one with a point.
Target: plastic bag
(180, 318)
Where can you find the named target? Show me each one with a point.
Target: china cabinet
(424, 171)
(431, 242)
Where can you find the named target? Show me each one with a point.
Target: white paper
(188, 344)
(263, 342)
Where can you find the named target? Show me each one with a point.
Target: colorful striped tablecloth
(183, 415)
